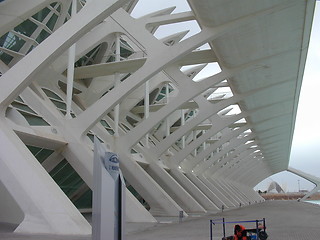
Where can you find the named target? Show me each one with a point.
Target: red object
(240, 233)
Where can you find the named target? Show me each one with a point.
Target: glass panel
(22, 107)
(85, 201)
(52, 22)
(42, 36)
(66, 177)
(40, 16)
(34, 120)
(26, 28)
(40, 153)
(12, 42)
(59, 105)
(6, 58)
(51, 94)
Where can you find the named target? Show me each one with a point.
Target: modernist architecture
(197, 118)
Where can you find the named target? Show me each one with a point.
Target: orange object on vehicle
(240, 233)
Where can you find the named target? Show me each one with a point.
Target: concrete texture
(284, 220)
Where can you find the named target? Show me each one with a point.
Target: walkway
(284, 219)
(290, 220)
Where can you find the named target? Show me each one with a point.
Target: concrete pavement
(290, 220)
(284, 220)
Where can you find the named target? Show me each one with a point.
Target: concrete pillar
(45, 207)
(194, 190)
(204, 188)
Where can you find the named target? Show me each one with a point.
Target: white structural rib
(309, 177)
(197, 117)
(104, 69)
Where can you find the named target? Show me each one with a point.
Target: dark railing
(257, 233)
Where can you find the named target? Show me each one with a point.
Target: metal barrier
(257, 230)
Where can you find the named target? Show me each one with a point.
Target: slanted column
(231, 193)
(194, 191)
(226, 202)
(205, 189)
(223, 190)
(242, 192)
(42, 206)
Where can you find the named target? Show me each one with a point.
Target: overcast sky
(305, 154)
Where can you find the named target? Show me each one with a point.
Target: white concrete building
(198, 119)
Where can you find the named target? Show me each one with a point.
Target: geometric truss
(197, 119)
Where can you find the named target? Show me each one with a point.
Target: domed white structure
(275, 186)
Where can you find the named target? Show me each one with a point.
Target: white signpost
(108, 216)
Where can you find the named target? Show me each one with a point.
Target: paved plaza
(284, 220)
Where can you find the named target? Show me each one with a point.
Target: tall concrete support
(193, 190)
(224, 189)
(225, 201)
(160, 202)
(45, 208)
(173, 188)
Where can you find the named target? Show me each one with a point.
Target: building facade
(198, 116)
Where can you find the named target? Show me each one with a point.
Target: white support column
(222, 189)
(116, 83)
(45, 207)
(232, 193)
(205, 189)
(195, 192)
(174, 189)
(225, 201)
(146, 108)
(183, 121)
(70, 71)
(248, 192)
(243, 193)
(160, 202)
(80, 156)
(213, 148)
(167, 119)
(194, 138)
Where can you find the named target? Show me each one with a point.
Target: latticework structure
(197, 118)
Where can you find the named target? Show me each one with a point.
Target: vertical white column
(194, 138)
(194, 133)
(167, 120)
(70, 71)
(183, 121)
(116, 83)
(146, 108)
